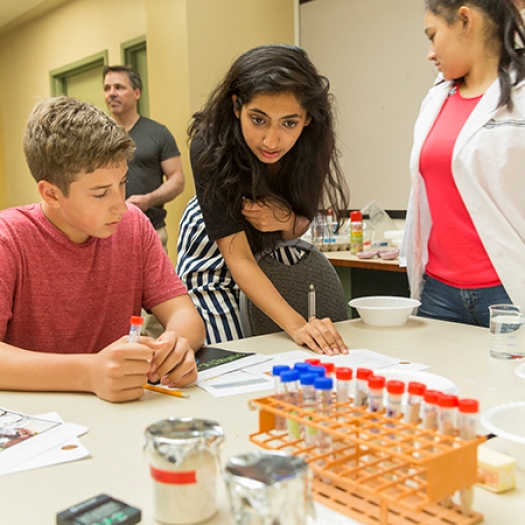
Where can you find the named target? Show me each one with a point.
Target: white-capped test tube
(416, 391)
(376, 386)
(467, 417)
(394, 394)
(361, 387)
(135, 327)
(280, 421)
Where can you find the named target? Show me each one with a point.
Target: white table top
(118, 466)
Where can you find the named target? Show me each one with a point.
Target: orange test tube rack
(379, 471)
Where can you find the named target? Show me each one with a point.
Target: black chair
(293, 282)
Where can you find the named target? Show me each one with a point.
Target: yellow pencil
(175, 393)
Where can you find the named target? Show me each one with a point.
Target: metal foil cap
(176, 439)
(269, 487)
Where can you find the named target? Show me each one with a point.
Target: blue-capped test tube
(280, 421)
(307, 381)
(290, 382)
(135, 327)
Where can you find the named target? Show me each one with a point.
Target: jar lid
(356, 216)
(277, 370)
(376, 382)
(431, 396)
(363, 373)
(319, 370)
(468, 406)
(308, 379)
(289, 375)
(416, 388)
(343, 372)
(329, 367)
(324, 383)
(395, 387)
(446, 400)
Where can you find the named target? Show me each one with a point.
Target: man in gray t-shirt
(155, 174)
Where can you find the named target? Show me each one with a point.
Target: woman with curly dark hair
(264, 160)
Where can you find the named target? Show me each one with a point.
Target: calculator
(100, 510)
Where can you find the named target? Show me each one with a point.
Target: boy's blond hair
(65, 137)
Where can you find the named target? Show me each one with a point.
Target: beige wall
(190, 45)
(200, 42)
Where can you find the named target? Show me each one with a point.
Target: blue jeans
(459, 305)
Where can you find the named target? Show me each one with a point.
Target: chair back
(293, 282)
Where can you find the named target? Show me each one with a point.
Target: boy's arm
(116, 373)
(175, 364)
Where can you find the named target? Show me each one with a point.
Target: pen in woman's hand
(311, 303)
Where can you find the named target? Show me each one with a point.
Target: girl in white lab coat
(465, 234)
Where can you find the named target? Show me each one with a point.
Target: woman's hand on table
(321, 336)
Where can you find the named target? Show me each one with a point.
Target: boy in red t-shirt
(76, 266)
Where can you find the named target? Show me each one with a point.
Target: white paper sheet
(23, 453)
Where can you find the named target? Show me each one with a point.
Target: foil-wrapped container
(184, 458)
(269, 488)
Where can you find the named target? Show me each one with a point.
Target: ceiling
(16, 12)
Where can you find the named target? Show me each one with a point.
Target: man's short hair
(65, 137)
(134, 76)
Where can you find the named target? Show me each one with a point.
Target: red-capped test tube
(446, 413)
(343, 376)
(361, 387)
(312, 361)
(376, 386)
(394, 394)
(430, 419)
(329, 367)
(135, 327)
(416, 391)
(467, 417)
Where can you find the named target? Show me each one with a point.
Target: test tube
(446, 416)
(416, 391)
(394, 394)
(376, 386)
(135, 327)
(302, 368)
(430, 420)
(329, 367)
(290, 381)
(467, 417)
(280, 421)
(312, 361)
(323, 402)
(343, 376)
(320, 371)
(361, 387)
(309, 433)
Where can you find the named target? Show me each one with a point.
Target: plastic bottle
(309, 434)
(329, 237)
(361, 387)
(302, 368)
(416, 391)
(312, 361)
(446, 413)
(329, 367)
(135, 326)
(319, 370)
(343, 376)
(394, 390)
(280, 421)
(290, 381)
(368, 233)
(356, 232)
(376, 387)
(467, 419)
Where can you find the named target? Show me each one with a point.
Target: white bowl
(508, 422)
(384, 310)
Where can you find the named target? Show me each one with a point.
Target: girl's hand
(267, 216)
(321, 336)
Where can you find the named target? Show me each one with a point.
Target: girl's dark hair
(505, 29)
(311, 175)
